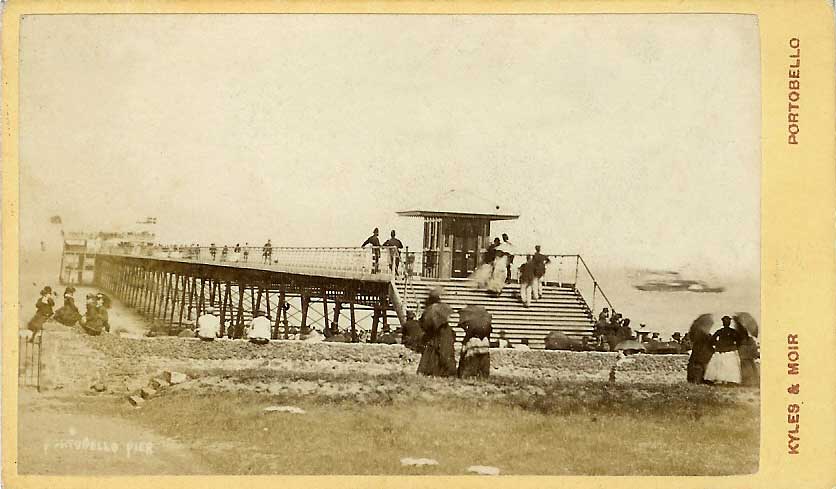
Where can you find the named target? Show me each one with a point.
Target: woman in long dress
(92, 323)
(43, 310)
(438, 358)
(749, 352)
(68, 314)
(724, 366)
(701, 348)
(475, 358)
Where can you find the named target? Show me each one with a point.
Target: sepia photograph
(381, 244)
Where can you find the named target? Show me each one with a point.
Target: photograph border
(798, 236)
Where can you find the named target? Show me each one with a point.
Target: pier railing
(338, 261)
(369, 262)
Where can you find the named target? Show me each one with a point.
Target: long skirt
(696, 372)
(497, 280)
(67, 316)
(724, 368)
(438, 358)
(482, 275)
(749, 374)
(475, 366)
(37, 322)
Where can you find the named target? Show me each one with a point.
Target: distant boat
(678, 286)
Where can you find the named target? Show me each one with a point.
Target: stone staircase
(560, 309)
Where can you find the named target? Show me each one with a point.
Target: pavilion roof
(459, 203)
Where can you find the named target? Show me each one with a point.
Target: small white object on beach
(284, 409)
(483, 470)
(418, 461)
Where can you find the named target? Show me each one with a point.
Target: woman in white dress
(724, 366)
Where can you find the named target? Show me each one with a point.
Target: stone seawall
(75, 360)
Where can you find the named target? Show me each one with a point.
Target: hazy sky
(633, 140)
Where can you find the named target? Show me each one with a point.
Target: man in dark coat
(394, 245)
(374, 241)
(538, 263)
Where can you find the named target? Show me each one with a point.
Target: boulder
(147, 393)
(556, 340)
(159, 383)
(136, 401)
(175, 378)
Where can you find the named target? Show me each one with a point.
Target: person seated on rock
(102, 305)
(259, 330)
(68, 314)
(43, 308)
(208, 325)
(92, 323)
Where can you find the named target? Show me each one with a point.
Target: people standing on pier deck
(213, 251)
(68, 314)
(208, 325)
(539, 262)
(267, 252)
(259, 330)
(724, 366)
(43, 310)
(224, 252)
(394, 245)
(246, 252)
(375, 242)
(438, 358)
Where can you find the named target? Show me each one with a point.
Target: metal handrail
(352, 261)
(595, 281)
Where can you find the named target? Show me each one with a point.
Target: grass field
(572, 429)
